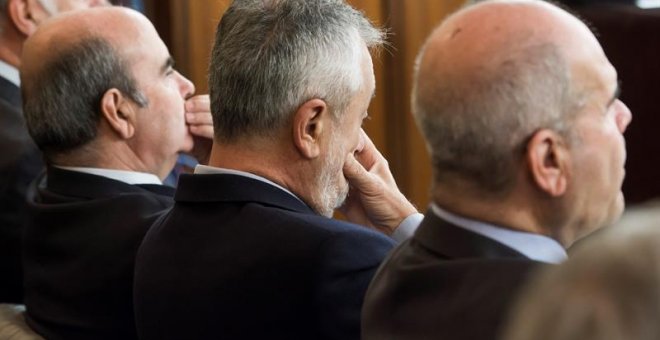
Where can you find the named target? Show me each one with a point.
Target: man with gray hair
(111, 114)
(249, 249)
(520, 111)
(20, 160)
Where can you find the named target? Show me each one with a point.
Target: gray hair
(607, 290)
(477, 125)
(270, 56)
(62, 99)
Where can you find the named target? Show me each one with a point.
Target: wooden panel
(376, 126)
(193, 25)
(411, 22)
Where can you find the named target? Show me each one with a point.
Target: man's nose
(623, 116)
(186, 87)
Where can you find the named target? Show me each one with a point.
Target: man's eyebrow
(617, 93)
(169, 63)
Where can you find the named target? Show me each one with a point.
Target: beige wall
(188, 27)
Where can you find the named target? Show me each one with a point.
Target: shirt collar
(10, 73)
(128, 177)
(210, 170)
(534, 246)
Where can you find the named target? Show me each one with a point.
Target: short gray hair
(270, 56)
(607, 290)
(476, 126)
(62, 99)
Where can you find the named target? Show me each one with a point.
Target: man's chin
(187, 145)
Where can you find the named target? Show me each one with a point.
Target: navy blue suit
(20, 163)
(237, 258)
(80, 242)
(444, 283)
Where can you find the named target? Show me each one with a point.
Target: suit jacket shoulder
(446, 283)
(80, 244)
(20, 163)
(239, 258)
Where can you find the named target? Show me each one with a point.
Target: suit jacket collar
(234, 188)
(451, 241)
(10, 93)
(78, 184)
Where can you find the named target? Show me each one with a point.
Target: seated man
(20, 159)
(518, 105)
(108, 111)
(249, 250)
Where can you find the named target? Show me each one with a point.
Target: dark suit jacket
(20, 163)
(444, 283)
(237, 258)
(80, 245)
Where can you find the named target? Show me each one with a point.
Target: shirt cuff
(407, 227)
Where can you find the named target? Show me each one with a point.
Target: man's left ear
(310, 123)
(119, 112)
(549, 162)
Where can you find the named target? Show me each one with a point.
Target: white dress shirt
(534, 246)
(10, 73)
(404, 231)
(128, 177)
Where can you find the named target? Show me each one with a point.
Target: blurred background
(628, 30)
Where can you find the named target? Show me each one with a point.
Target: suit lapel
(451, 241)
(10, 93)
(234, 188)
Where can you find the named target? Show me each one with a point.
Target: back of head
(68, 65)
(485, 81)
(270, 56)
(608, 290)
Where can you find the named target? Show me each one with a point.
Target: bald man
(109, 112)
(20, 160)
(519, 108)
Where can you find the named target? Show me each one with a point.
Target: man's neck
(506, 211)
(277, 164)
(10, 50)
(118, 156)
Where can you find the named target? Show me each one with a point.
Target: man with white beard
(249, 249)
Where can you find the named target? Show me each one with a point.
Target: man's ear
(18, 11)
(549, 162)
(310, 123)
(118, 111)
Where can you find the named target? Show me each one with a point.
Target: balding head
(100, 97)
(68, 65)
(69, 29)
(490, 76)
(519, 108)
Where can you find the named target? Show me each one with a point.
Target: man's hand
(374, 200)
(200, 125)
